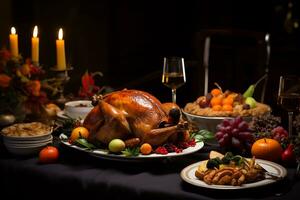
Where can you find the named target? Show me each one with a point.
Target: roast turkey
(128, 114)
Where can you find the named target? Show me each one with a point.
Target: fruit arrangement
(263, 137)
(235, 134)
(227, 103)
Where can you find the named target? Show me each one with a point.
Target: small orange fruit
(227, 101)
(146, 149)
(266, 148)
(79, 132)
(217, 108)
(215, 92)
(227, 107)
(216, 101)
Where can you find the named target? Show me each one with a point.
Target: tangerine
(215, 92)
(146, 149)
(79, 132)
(216, 101)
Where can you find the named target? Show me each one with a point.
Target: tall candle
(13, 41)
(35, 46)
(60, 52)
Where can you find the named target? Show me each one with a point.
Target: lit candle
(60, 51)
(13, 41)
(35, 46)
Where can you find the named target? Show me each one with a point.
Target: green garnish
(131, 151)
(202, 135)
(84, 143)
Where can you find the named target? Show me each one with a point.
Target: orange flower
(4, 80)
(25, 69)
(34, 87)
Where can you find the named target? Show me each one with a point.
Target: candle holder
(61, 78)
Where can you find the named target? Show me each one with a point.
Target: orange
(146, 149)
(216, 101)
(227, 107)
(266, 148)
(79, 132)
(215, 92)
(217, 108)
(227, 101)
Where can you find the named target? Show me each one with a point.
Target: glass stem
(290, 114)
(174, 95)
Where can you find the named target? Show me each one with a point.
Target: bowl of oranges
(210, 110)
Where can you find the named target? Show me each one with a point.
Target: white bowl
(27, 142)
(27, 138)
(78, 109)
(208, 123)
(25, 151)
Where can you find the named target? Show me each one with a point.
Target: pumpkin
(266, 148)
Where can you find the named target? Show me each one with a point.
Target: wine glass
(173, 74)
(289, 97)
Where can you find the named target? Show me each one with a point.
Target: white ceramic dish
(208, 123)
(102, 153)
(27, 138)
(27, 142)
(188, 175)
(78, 109)
(25, 151)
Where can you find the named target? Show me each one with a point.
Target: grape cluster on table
(235, 134)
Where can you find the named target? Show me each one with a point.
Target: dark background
(127, 40)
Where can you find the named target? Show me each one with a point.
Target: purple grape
(226, 137)
(228, 129)
(235, 132)
(219, 135)
(235, 142)
(219, 127)
(246, 136)
(226, 122)
(243, 126)
(222, 142)
(236, 122)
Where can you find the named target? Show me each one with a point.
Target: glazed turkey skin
(127, 114)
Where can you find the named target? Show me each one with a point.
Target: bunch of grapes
(234, 134)
(279, 133)
(265, 124)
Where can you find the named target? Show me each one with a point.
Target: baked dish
(26, 129)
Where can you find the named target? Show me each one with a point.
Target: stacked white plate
(28, 145)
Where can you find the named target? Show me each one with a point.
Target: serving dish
(188, 175)
(77, 109)
(104, 153)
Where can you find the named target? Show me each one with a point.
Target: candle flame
(35, 31)
(60, 34)
(13, 30)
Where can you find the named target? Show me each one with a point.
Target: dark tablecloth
(78, 175)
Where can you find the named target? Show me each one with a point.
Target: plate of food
(237, 173)
(106, 154)
(128, 120)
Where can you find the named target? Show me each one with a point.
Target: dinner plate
(104, 153)
(188, 175)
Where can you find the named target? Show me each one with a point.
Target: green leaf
(131, 151)
(202, 135)
(84, 143)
